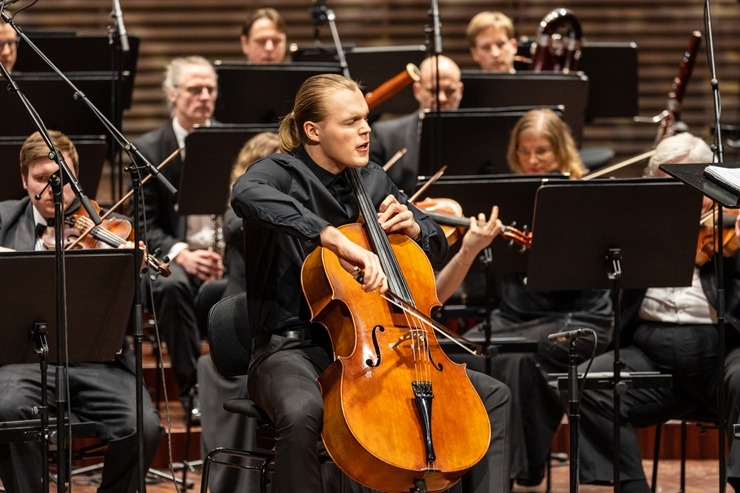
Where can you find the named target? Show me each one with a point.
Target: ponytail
(290, 141)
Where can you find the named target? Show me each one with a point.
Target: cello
(392, 397)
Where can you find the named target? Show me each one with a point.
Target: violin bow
(123, 199)
(394, 159)
(428, 184)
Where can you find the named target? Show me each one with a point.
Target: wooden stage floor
(701, 477)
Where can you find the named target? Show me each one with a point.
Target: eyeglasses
(12, 43)
(540, 152)
(198, 90)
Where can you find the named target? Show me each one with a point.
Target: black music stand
(611, 68)
(514, 194)
(96, 278)
(91, 149)
(92, 54)
(693, 175)
(55, 102)
(495, 90)
(261, 93)
(371, 66)
(612, 234)
(211, 153)
(468, 142)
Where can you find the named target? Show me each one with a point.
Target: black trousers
(104, 393)
(689, 353)
(284, 384)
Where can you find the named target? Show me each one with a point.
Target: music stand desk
(261, 93)
(576, 223)
(209, 158)
(543, 89)
(100, 294)
(371, 66)
(693, 175)
(611, 68)
(514, 195)
(54, 100)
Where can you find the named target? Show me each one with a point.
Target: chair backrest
(208, 294)
(229, 337)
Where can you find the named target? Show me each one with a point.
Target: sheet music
(728, 178)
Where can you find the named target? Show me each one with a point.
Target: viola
(707, 244)
(448, 213)
(392, 397)
(81, 232)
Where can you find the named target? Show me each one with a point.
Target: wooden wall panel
(210, 27)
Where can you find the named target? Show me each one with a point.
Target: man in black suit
(103, 393)
(389, 136)
(191, 90)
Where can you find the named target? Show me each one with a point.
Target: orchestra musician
(264, 38)
(291, 204)
(672, 330)
(541, 143)
(190, 87)
(8, 46)
(491, 41)
(103, 393)
(391, 135)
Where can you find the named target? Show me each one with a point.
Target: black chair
(230, 345)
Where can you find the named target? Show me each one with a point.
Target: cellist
(291, 204)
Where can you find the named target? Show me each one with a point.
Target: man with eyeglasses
(391, 135)
(190, 86)
(8, 46)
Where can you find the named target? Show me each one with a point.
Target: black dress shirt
(286, 201)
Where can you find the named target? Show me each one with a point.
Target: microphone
(569, 335)
(118, 16)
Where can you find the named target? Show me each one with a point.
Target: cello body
(396, 409)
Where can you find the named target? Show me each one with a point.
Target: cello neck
(378, 239)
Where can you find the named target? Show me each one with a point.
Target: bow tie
(40, 228)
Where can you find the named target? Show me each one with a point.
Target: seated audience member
(103, 393)
(492, 42)
(389, 136)
(263, 37)
(672, 330)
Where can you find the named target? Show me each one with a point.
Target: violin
(392, 397)
(706, 244)
(81, 232)
(449, 214)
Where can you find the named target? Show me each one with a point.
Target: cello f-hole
(376, 363)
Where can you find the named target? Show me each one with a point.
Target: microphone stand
(138, 163)
(719, 154)
(57, 181)
(320, 14)
(119, 43)
(433, 41)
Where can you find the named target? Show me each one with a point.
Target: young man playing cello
(291, 204)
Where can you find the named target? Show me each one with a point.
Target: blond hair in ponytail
(311, 105)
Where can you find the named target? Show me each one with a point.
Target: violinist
(492, 42)
(541, 143)
(103, 393)
(391, 135)
(672, 330)
(292, 203)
